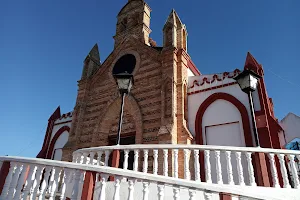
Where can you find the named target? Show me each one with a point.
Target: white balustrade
(161, 191)
(218, 167)
(175, 152)
(66, 173)
(102, 195)
(20, 182)
(155, 161)
(45, 183)
(136, 160)
(92, 156)
(165, 163)
(14, 181)
(117, 188)
(99, 158)
(29, 181)
(186, 153)
(197, 165)
(130, 189)
(75, 190)
(85, 157)
(145, 190)
(240, 168)
(145, 164)
(192, 194)
(229, 167)
(207, 166)
(8, 180)
(36, 183)
(274, 171)
(294, 170)
(176, 193)
(107, 154)
(52, 192)
(126, 156)
(284, 172)
(250, 169)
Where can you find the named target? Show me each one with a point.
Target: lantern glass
(124, 81)
(248, 80)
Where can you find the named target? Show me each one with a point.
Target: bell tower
(133, 19)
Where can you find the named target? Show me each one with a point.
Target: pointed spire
(173, 19)
(252, 64)
(56, 114)
(94, 54)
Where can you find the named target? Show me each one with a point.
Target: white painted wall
(195, 100)
(60, 143)
(60, 123)
(291, 127)
(189, 72)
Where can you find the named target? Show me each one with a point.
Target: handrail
(191, 147)
(245, 191)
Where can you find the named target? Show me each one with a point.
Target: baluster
(102, 195)
(250, 169)
(29, 181)
(145, 164)
(45, 183)
(284, 173)
(192, 194)
(75, 190)
(274, 171)
(14, 180)
(176, 193)
(155, 161)
(207, 195)
(107, 154)
(126, 156)
(161, 191)
(197, 166)
(229, 167)
(207, 166)
(85, 156)
(8, 180)
(56, 172)
(21, 182)
(218, 167)
(74, 157)
(240, 168)
(79, 158)
(117, 188)
(145, 190)
(136, 160)
(130, 189)
(175, 163)
(92, 155)
(36, 183)
(294, 170)
(99, 157)
(165, 164)
(66, 174)
(186, 164)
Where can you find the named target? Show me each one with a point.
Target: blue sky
(43, 45)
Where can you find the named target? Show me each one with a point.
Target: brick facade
(155, 109)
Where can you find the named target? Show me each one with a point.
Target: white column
(92, 155)
(66, 174)
(145, 164)
(294, 170)
(197, 166)
(130, 189)
(165, 163)
(155, 161)
(45, 183)
(218, 167)
(136, 160)
(192, 194)
(85, 156)
(250, 169)
(175, 163)
(99, 153)
(284, 172)
(103, 187)
(29, 181)
(239, 168)
(14, 180)
(117, 188)
(36, 183)
(207, 166)
(274, 171)
(75, 190)
(145, 190)
(126, 156)
(53, 189)
(21, 182)
(161, 191)
(8, 180)
(207, 195)
(107, 154)
(186, 153)
(229, 167)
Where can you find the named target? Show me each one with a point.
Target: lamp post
(124, 82)
(248, 81)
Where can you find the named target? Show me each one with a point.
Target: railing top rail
(202, 186)
(190, 147)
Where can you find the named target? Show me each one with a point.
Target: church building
(171, 101)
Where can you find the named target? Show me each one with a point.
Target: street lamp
(248, 81)
(124, 82)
